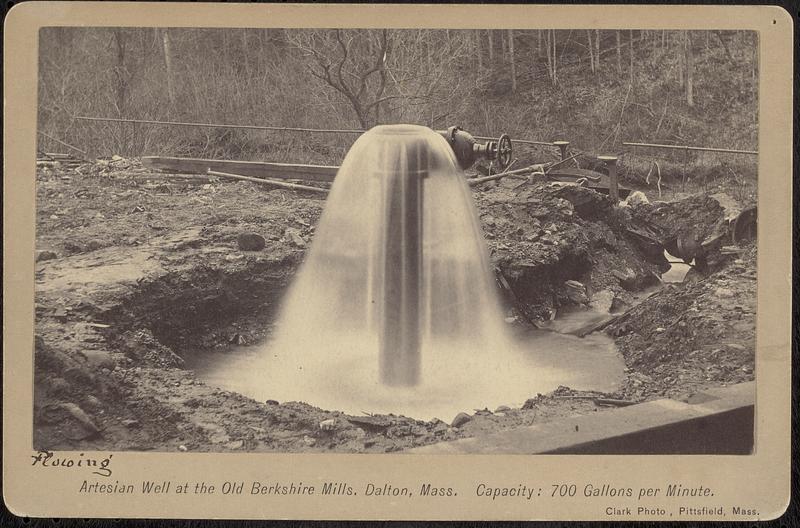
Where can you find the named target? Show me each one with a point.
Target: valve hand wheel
(504, 152)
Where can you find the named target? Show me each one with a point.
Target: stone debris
(328, 425)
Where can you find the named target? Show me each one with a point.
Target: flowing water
(394, 309)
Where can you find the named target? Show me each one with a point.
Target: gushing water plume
(394, 309)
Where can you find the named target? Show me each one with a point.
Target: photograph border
(759, 481)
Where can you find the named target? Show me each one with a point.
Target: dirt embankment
(136, 272)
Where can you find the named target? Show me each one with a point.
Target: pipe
(613, 187)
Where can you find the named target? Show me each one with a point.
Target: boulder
(251, 242)
(45, 255)
(460, 419)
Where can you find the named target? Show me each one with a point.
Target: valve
(468, 150)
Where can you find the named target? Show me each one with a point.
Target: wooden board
(256, 169)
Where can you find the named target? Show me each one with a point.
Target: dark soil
(146, 269)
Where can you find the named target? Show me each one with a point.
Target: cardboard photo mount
(724, 487)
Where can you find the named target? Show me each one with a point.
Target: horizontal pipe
(261, 127)
(523, 141)
(217, 125)
(276, 183)
(686, 147)
(484, 179)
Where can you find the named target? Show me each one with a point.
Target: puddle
(677, 271)
(550, 359)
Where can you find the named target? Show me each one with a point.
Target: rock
(58, 386)
(723, 293)
(99, 359)
(78, 414)
(45, 255)
(602, 301)
(460, 419)
(502, 408)
(328, 425)
(627, 278)
(94, 245)
(618, 305)
(251, 242)
(130, 423)
(92, 402)
(272, 402)
(660, 330)
(236, 444)
(309, 441)
(635, 198)
(576, 291)
(183, 448)
(293, 235)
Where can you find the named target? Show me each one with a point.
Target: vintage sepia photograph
(422, 241)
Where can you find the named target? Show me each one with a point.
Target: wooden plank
(256, 169)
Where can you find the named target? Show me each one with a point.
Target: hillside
(593, 88)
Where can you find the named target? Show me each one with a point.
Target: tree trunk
(511, 58)
(597, 49)
(681, 58)
(555, 58)
(619, 51)
(478, 50)
(539, 41)
(689, 69)
(591, 50)
(245, 53)
(168, 63)
(491, 47)
(630, 51)
(119, 70)
(549, 58)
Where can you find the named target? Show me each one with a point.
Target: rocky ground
(137, 271)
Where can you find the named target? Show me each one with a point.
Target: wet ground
(141, 278)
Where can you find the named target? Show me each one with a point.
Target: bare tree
(619, 51)
(168, 64)
(597, 49)
(687, 47)
(630, 51)
(121, 73)
(511, 58)
(343, 62)
(681, 59)
(591, 50)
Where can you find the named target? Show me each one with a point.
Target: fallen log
(283, 171)
(477, 181)
(276, 183)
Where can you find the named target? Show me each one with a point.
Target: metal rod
(62, 143)
(276, 183)
(613, 188)
(523, 141)
(556, 164)
(477, 181)
(217, 125)
(562, 146)
(276, 128)
(687, 147)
